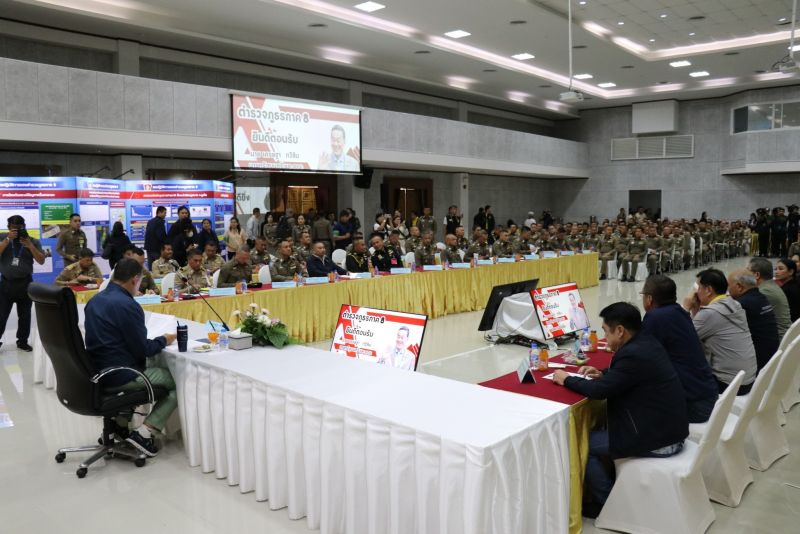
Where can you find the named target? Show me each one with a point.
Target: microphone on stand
(210, 307)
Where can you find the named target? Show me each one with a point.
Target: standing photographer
(17, 252)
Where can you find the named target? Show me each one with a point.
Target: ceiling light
(652, 40)
(731, 53)
(340, 55)
(794, 48)
(692, 34)
(523, 56)
(626, 67)
(349, 16)
(606, 85)
(782, 19)
(545, 86)
(698, 74)
(620, 23)
(662, 16)
(422, 51)
(697, 17)
(582, 2)
(518, 22)
(681, 63)
(517, 96)
(583, 76)
(457, 34)
(595, 28)
(489, 70)
(317, 25)
(369, 7)
(459, 82)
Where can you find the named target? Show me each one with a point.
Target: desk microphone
(176, 265)
(210, 307)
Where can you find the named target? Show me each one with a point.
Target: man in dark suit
(645, 402)
(155, 235)
(319, 264)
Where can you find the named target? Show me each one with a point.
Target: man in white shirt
(398, 355)
(531, 220)
(339, 159)
(253, 227)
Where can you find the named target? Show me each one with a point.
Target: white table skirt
(356, 447)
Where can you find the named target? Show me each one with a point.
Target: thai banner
(290, 135)
(380, 336)
(560, 309)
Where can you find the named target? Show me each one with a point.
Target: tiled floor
(39, 495)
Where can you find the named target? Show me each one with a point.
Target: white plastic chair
(167, 283)
(726, 471)
(766, 442)
(106, 281)
(440, 246)
(792, 396)
(339, 256)
(409, 259)
(264, 275)
(641, 271)
(659, 495)
(215, 278)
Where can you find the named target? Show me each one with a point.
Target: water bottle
(182, 337)
(224, 343)
(586, 344)
(176, 295)
(244, 285)
(300, 279)
(475, 258)
(533, 356)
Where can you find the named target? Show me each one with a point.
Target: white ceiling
(353, 45)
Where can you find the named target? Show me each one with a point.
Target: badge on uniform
(15, 262)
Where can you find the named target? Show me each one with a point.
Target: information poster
(380, 336)
(560, 309)
(96, 199)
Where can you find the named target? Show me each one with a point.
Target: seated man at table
(721, 324)
(211, 260)
(193, 277)
(761, 321)
(383, 259)
(148, 285)
(480, 247)
(234, 271)
(164, 264)
(394, 246)
(259, 255)
(358, 260)
(451, 253)
(83, 271)
(503, 248)
(319, 264)
(671, 325)
(116, 335)
(645, 406)
(303, 249)
(286, 267)
(425, 253)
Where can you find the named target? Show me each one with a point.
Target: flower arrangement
(264, 329)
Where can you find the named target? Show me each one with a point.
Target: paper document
(550, 376)
(159, 324)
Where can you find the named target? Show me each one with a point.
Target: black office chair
(78, 386)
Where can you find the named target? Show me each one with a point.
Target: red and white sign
(560, 309)
(380, 336)
(279, 134)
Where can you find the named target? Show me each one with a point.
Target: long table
(357, 447)
(311, 311)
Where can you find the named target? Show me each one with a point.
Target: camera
(22, 233)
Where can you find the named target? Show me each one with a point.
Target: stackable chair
(660, 495)
(167, 283)
(215, 278)
(264, 275)
(792, 395)
(339, 256)
(78, 385)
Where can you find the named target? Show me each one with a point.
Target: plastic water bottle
(586, 344)
(224, 343)
(533, 356)
(300, 280)
(244, 285)
(176, 295)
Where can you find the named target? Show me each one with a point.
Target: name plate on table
(587, 251)
(148, 299)
(357, 276)
(524, 372)
(485, 262)
(506, 260)
(282, 285)
(460, 265)
(549, 254)
(531, 256)
(567, 253)
(400, 270)
(432, 268)
(316, 280)
(222, 291)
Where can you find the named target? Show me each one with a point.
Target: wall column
(126, 60)
(125, 162)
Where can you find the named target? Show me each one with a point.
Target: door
(649, 199)
(407, 195)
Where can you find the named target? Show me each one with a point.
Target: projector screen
(560, 309)
(280, 134)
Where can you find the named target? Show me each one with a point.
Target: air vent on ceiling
(653, 147)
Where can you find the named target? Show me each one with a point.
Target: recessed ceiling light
(691, 34)
(459, 82)
(606, 85)
(317, 25)
(662, 83)
(457, 34)
(422, 51)
(517, 96)
(626, 67)
(518, 22)
(681, 63)
(583, 76)
(731, 53)
(579, 47)
(699, 74)
(652, 40)
(369, 7)
(698, 17)
(489, 70)
(522, 56)
(759, 71)
(662, 16)
(794, 48)
(582, 2)
(545, 86)
(782, 19)
(620, 23)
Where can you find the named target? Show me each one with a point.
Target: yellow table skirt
(82, 297)
(311, 312)
(583, 417)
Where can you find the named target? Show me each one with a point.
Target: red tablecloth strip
(78, 289)
(545, 388)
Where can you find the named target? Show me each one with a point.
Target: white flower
(263, 319)
(237, 313)
(275, 321)
(254, 305)
(264, 311)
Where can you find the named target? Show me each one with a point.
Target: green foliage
(267, 332)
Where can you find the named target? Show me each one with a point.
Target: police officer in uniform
(193, 277)
(779, 229)
(357, 260)
(164, 264)
(394, 246)
(18, 251)
(707, 237)
(425, 253)
(452, 220)
(557, 243)
(383, 259)
(84, 271)
(286, 267)
(461, 241)
(303, 249)
(259, 255)
(574, 242)
(148, 284)
(426, 223)
(480, 247)
(237, 269)
(592, 239)
(451, 253)
(654, 244)
(637, 249)
(621, 244)
(414, 240)
(606, 246)
(523, 245)
(502, 248)
(71, 241)
(211, 260)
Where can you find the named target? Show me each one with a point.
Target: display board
(277, 133)
(380, 336)
(560, 309)
(101, 203)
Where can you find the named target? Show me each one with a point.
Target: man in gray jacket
(721, 325)
(762, 269)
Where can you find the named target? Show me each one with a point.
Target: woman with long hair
(300, 227)
(786, 277)
(234, 237)
(114, 245)
(270, 231)
(206, 235)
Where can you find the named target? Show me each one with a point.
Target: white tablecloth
(355, 447)
(517, 316)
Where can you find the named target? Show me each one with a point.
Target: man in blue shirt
(116, 335)
(319, 264)
(343, 231)
(671, 325)
(155, 235)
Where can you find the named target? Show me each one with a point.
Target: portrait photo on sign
(380, 336)
(560, 309)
